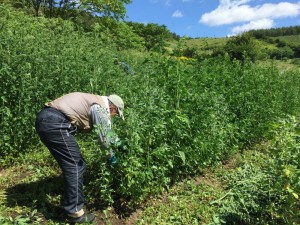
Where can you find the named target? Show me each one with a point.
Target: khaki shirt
(76, 106)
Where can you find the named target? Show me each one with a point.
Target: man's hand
(112, 161)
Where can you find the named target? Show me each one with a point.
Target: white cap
(118, 102)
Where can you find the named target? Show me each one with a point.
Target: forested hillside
(276, 32)
(107, 17)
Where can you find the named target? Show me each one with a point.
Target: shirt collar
(105, 100)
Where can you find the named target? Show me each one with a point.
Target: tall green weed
(267, 193)
(181, 115)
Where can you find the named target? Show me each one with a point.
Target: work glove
(112, 159)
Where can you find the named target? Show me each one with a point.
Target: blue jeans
(57, 133)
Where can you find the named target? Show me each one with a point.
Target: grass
(199, 43)
(197, 200)
(206, 42)
(219, 42)
(192, 200)
(282, 65)
(292, 38)
(31, 192)
(30, 189)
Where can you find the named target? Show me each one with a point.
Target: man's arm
(102, 125)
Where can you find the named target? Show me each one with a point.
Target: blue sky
(215, 18)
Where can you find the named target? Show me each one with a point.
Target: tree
(296, 49)
(53, 8)
(117, 32)
(155, 35)
(275, 32)
(281, 53)
(242, 46)
(112, 8)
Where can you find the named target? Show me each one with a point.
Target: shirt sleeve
(102, 125)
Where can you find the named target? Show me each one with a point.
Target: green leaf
(182, 156)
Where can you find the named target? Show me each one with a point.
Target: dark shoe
(85, 218)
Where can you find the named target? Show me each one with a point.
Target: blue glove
(112, 161)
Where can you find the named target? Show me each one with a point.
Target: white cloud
(230, 3)
(177, 14)
(168, 2)
(234, 11)
(257, 24)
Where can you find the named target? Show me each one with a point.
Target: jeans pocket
(72, 129)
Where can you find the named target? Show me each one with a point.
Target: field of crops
(181, 115)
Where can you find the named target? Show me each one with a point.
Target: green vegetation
(291, 38)
(187, 110)
(68, 9)
(258, 45)
(276, 32)
(259, 186)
